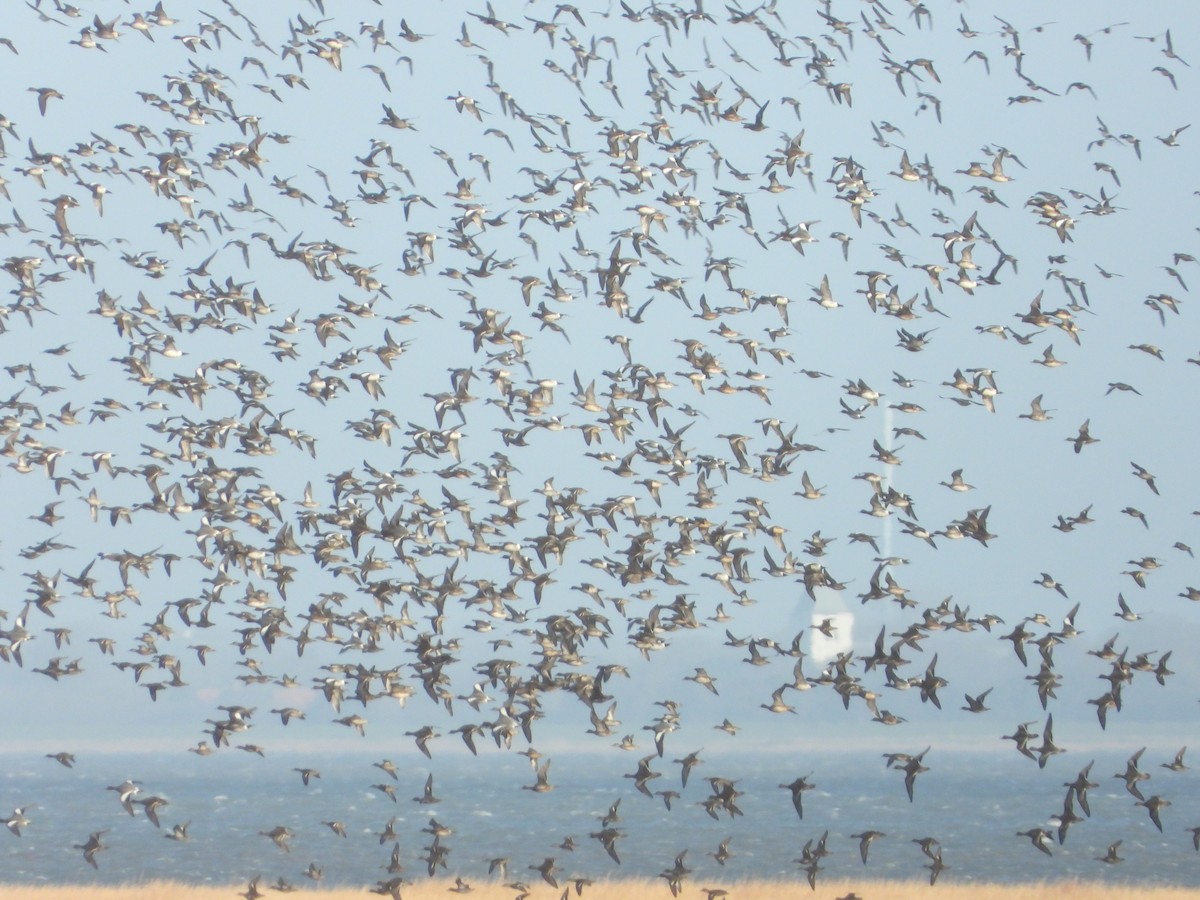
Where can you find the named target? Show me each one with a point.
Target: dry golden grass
(630, 890)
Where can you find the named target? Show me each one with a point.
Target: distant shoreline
(629, 889)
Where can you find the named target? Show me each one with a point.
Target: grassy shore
(626, 890)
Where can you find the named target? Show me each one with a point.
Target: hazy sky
(632, 136)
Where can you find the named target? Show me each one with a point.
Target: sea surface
(974, 805)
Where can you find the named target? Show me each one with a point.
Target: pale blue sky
(1024, 471)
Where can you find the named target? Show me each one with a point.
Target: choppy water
(973, 804)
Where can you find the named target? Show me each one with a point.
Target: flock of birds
(570, 350)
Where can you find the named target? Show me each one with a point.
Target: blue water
(973, 804)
